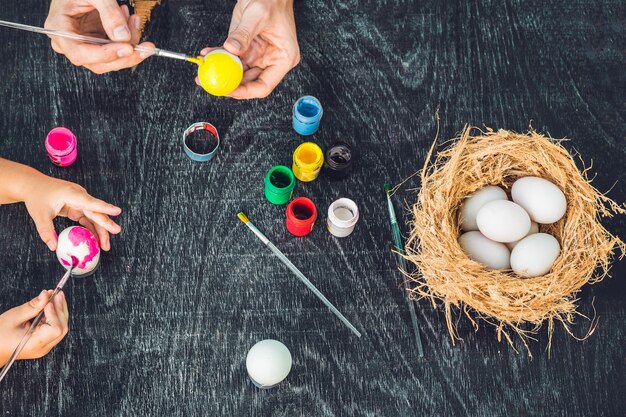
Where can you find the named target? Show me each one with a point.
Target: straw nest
(445, 274)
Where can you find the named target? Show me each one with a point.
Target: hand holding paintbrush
(101, 19)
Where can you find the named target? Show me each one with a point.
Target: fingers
(103, 237)
(87, 224)
(101, 59)
(100, 231)
(113, 19)
(135, 59)
(45, 228)
(267, 80)
(251, 75)
(29, 310)
(104, 221)
(84, 54)
(55, 328)
(91, 213)
(81, 200)
(243, 32)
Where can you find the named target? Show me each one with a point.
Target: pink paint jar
(61, 146)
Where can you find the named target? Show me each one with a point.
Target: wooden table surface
(164, 327)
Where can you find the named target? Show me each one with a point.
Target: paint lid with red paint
(301, 216)
(61, 146)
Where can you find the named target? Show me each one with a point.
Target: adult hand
(102, 19)
(49, 197)
(15, 322)
(263, 34)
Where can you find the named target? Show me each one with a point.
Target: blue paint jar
(307, 113)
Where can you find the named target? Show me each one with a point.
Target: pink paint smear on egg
(77, 236)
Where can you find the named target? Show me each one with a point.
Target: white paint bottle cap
(343, 214)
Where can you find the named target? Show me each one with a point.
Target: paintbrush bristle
(243, 217)
(387, 188)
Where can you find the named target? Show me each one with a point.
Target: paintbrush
(100, 41)
(297, 272)
(399, 249)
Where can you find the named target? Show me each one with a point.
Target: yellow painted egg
(220, 73)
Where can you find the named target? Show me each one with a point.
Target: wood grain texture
(164, 327)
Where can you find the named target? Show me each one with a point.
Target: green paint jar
(279, 184)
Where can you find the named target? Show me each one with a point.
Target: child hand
(50, 197)
(15, 322)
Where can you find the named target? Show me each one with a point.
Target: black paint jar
(338, 160)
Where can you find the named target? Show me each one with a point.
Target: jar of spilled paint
(301, 216)
(343, 214)
(61, 146)
(307, 113)
(308, 159)
(279, 184)
(338, 161)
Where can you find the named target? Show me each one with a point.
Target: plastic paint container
(301, 215)
(308, 159)
(279, 184)
(307, 113)
(338, 160)
(61, 146)
(343, 214)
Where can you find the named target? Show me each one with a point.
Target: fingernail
(124, 52)
(51, 244)
(121, 33)
(144, 55)
(42, 295)
(126, 11)
(137, 22)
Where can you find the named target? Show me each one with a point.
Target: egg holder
(514, 305)
(201, 157)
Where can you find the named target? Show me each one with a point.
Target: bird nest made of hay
(444, 272)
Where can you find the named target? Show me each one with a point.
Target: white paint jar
(343, 214)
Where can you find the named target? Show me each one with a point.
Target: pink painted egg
(79, 243)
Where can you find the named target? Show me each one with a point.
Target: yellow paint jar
(308, 159)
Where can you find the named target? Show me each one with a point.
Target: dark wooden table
(164, 327)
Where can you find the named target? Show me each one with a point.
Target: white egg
(268, 362)
(492, 254)
(534, 255)
(544, 201)
(503, 221)
(78, 246)
(473, 203)
(534, 228)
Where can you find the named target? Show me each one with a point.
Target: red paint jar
(301, 215)
(61, 146)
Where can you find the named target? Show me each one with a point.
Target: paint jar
(301, 215)
(279, 184)
(61, 146)
(307, 113)
(308, 159)
(342, 217)
(338, 161)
